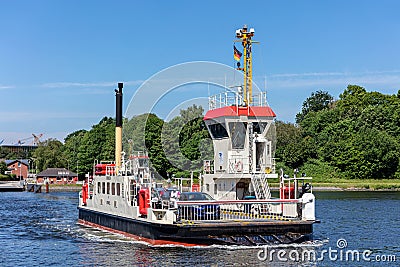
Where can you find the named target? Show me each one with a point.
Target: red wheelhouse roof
(232, 111)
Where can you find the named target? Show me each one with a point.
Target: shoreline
(350, 189)
(333, 188)
(60, 188)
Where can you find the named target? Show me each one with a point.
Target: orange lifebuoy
(238, 166)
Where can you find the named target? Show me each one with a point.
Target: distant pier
(11, 186)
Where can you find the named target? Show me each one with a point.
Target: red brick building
(19, 167)
(57, 176)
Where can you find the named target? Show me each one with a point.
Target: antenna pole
(245, 37)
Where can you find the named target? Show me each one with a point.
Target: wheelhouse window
(238, 134)
(259, 127)
(144, 162)
(218, 131)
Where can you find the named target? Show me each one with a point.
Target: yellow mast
(245, 38)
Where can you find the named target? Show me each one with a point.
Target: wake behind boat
(234, 206)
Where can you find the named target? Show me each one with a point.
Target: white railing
(231, 98)
(290, 188)
(239, 210)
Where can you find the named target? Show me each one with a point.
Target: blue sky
(61, 60)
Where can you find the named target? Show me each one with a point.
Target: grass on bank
(357, 184)
(371, 184)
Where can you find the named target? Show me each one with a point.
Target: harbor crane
(35, 141)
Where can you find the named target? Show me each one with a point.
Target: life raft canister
(144, 201)
(85, 193)
(195, 187)
(287, 192)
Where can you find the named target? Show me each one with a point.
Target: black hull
(11, 189)
(232, 233)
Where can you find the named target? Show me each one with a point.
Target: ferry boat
(234, 205)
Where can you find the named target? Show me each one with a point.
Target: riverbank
(64, 188)
(354, 185)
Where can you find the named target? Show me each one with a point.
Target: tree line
(355, 136)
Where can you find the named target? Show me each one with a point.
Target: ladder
(260, 185)
(262, 191)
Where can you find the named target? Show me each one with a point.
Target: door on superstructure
(260, 156)
(240, 190)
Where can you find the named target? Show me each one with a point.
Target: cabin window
(218, 131)
(215, 188)
(98, 187)
(103, 188)
(259, 127)
(144, 162)
(108, 188)
(113, 189)
(238, 134)
(118, 189)
(208, 187)
(122, 190)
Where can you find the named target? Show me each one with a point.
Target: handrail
(252, 201)
(231, 98)
(239, 210)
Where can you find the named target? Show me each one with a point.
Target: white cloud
(21, 116)
(89, 84)
(315, 79)
(3, 87)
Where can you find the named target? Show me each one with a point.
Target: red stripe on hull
(135, 237)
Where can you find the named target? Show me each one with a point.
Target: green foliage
(318, 101)
(321, 171)
(3, 167)
(96, 144)
(71, 148)
(292, 148)
(48, 155)
(358, 136)
(153, 144)
(177, 147)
